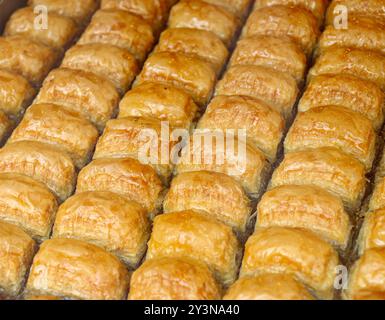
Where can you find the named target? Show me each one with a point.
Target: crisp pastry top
(95, 98)
(269, 286)
(110, 62)
(122, 29)
(333, 126)
(377, 200)
(364, 64)
(27, 203)
(196, 236)
(127, 177)
(195, 42)
(363, 32)
(30, 59)
(105, 219)
(277, 89)
(294, 252)
(226, 154)
(264, 126)
(372, 234)
(40, 161)
(75, 269)
(16, 251)
(42, 297)
(216, 194)
(327, 168)
(278, 53)
(307, 207)
(367, 277)
(279, 20)
(237, 7)
(197, 14)
(159, 101)
(173, 279)
(80, 11)
(52, 124)
(346, 91)
(58, 33)
(15, 94)
(193, 75)
(6, 126)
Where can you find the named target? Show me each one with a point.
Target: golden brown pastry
(268, 286)
(159, 101)
(112, 63)
(95, 98)
(80, 11)
(327, 168)
(56, 31)
(16, 252)
(173, 279)
(195, 42)
(52, 124)
(364, 64)
(28, 204)
(214, 193)
(306, 207)
(295, 252)
(193, 75)
(43, 298)
(280, 20)
(237, 7)
(15, 94)
(5, 126)
(197, 14)
(208, 150)
(278, 53)
(27, 58)
(264, 126)
(105, 219)
(122, 29)
(196, 236)
(377, 201)
(75, 269)
(333, 126)
(277, 89)
(41, 161)
(346, 91)
(127, 177)
(138, 138)
(367, 277)
(372, 233)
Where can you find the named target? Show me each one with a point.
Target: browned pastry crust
(43, 162)
(27, 58)
(278, 53)
(277, 89)
(306, 207)
(264, 126)
(327, 168)
(193, 75)
(216, 194)
(28, 204)
(159, 101)
(295, 252)
(197, 14)
(105, 219)
(122, 29)
(346, 91)
(95, 98)
(237, 7)
(333, 126)
(377, 201)
(16, 252)
(372, 234)
(195, 42)
(127, 177)
(78, 270)
(268, 286)
(173, 279)
(59, 32)
(112, 63)
(41, 297)
(280, 20)
(5, 126)
(364, 64)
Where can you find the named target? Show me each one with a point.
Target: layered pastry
(372, 233)
(237, 7)
(5, 126)
(377, 200)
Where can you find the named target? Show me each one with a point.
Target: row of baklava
(305, 218)
(56, 138)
